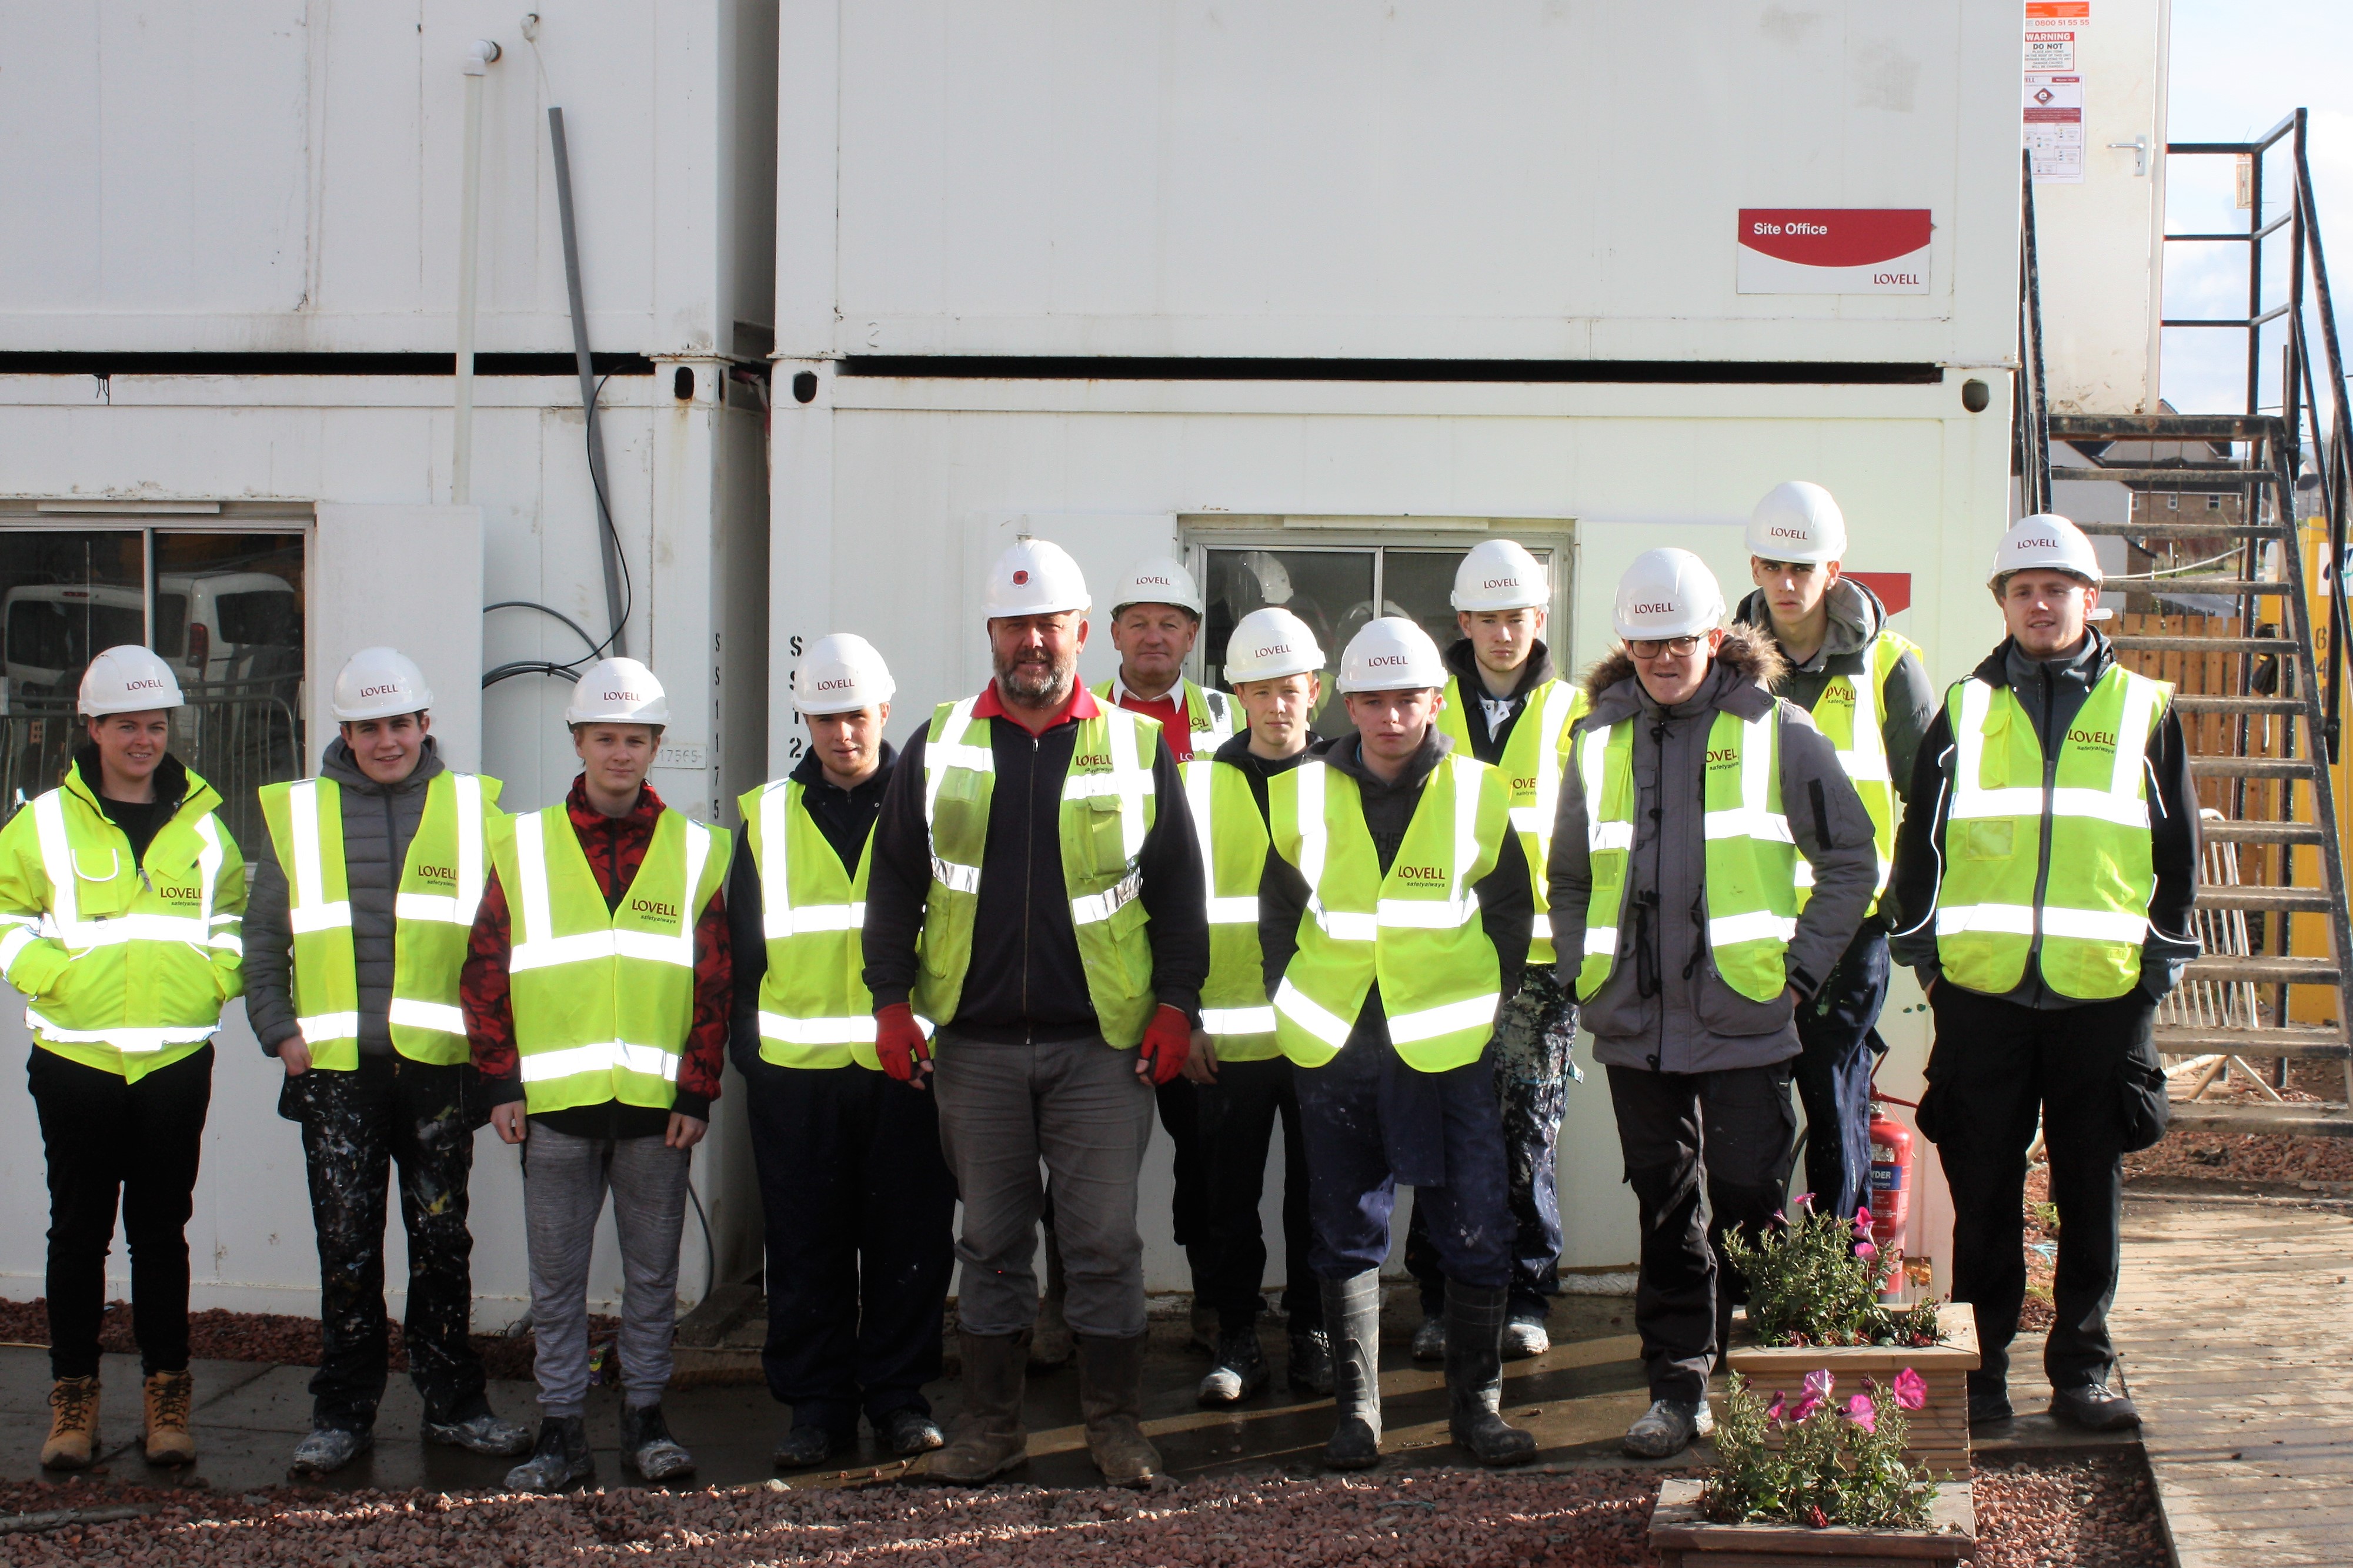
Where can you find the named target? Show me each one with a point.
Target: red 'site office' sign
(1834, 250)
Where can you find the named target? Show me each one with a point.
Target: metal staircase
(2260, 687)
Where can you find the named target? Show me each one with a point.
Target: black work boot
(647, 1448)
(1241, 1370)
(1475, 1375)
(1310, 1371)
(561, 1458)
(1352, 1316)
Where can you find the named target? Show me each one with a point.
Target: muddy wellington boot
(1050, 1342)
(1111, 1398)
(1475, 1375)
(986, 1439)
(1352, 1317)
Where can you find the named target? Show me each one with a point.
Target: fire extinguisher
(1891, 1192)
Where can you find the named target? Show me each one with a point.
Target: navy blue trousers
(1837, 1032)
(1370, 1121)
(860, 1210)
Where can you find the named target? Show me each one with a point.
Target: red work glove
(898, 1041)
(1167, 1041)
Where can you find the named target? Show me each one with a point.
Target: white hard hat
(1666, 593)
(2045, 541)
(127, 680)
(379, 683)
(1034, 577)
(1157, 580)
(1391, 654)
(1797, 521)
(1498, 574)
(618, 692)
(840, 673)
(1269, 644)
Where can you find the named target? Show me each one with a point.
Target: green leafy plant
(1814, 1281)
(1839, 1462)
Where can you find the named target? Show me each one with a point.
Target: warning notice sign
(1834, 250)
(2054, 127)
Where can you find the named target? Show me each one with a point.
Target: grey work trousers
(565, 1180)
(1078, 1106)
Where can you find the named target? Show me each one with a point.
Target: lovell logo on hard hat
(367, 691)
(1157, 581)
(1382, 661)
(1501, 582)
(842, 685)
(622, 697)
(1651, 609)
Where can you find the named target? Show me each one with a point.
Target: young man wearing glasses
(1691, 794)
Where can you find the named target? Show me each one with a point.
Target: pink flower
(1865, 1250)
(1863, 1413)
(1819, 1382)
(1862, 1221)
(1780, 1403)
(1911, 1390)
(1805, 1407)
(1805, 1200)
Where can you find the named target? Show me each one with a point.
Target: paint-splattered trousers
(860, 1218)
(359, 1128)
(1534, 1033)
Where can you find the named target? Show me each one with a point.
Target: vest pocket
(1106, 835)
(1989, 838)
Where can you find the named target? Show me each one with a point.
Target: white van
(214, 625)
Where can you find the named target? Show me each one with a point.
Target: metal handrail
(2034, 411)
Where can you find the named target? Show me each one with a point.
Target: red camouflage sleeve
(482, 992)
(714, 995)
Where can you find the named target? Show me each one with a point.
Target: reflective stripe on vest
(1233, 838)
(1414, 928)
(2092, 918)
(814, 1008)
(1533, 761)
(1108, 804)
(1750, 856)
(434, 902)
(603, 996)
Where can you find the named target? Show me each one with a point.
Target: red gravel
(2097, 1515)
(2246, 1157)
(276, 1338)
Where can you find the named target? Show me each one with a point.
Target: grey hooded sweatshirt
(378, 822)
(1664, 1007)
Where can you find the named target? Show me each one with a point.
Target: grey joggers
(564, 1182)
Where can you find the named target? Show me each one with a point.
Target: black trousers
(1737, 1128)
(111, 1142)
(1838, 1029)
(1237, 1117)
(358, 1127)
(1189, 1206)
(860, 1214)
(1995, 1065)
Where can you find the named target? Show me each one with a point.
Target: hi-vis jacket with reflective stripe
(1416, 929)
(1211, 715)
(126, 961)
(814, 1009)
(1752, 902)
(440, 888)
(1850, 714)
(603, 998)
(2092, 914)
(1108, 805)
(1233, 837)
(1534, 758)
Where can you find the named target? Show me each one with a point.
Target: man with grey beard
(1036, 842)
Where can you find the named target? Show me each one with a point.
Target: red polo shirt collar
(1081, 705)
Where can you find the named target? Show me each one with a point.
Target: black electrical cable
(572, 671)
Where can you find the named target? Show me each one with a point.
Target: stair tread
(2264, 967)
(2209, 702)
(2307, 1044)
(2244, 896)
(2231, 586)
(2275, 767)
(2166, 642)
(2178, 530)
(2233, 832)
(2310, 1119)
(2204, 477)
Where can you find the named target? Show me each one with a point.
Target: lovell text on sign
(1834, 250)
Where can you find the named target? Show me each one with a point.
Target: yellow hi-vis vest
(440, 888)
(1415, 929)
(1211, 715)
(2095, 911)
(1108, 806)
(126, 961)
(1852, 717)
(1233, 835)
(1532, 764)
(603, 998)
(1751, 899)
(814, 1009)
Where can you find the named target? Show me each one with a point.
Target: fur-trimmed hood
(1748, 656)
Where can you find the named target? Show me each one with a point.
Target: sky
(2239, 66)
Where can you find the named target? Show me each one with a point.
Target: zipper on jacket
(1028, 885)
(2050, 782)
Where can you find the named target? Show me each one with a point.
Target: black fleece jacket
(1506, 904)
(2051, 691)
(1025, 982)
(845, 816)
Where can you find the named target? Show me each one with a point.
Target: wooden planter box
(1683, 1538)
(1940, 1430)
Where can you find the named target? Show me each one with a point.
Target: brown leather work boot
(986, 1439)
(73, 1424)
(169, 1397)
(1111, 1398)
